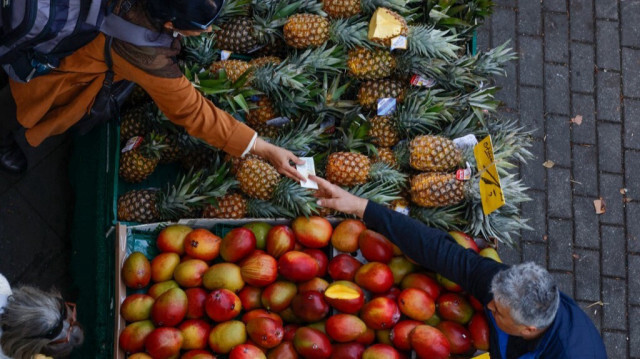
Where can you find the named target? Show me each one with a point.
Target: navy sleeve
(435, 250)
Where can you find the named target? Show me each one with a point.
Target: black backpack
(36, 34)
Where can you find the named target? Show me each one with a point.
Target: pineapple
(199, 157)
(236, 162)
(173, 152)
(263, 60)
(386, 155)
(268, 131)
(177, 201)
(366, 64)
(386, 25)
(436, 189)
(371, 91)
(137, 164)
(136, 121)
(237, 206)
(305, 30)
(237, 35)
(434, 154)
(263, 112)
(383, 132)
(341, 8)
(259, 180)
(233, 68)
(350, 169)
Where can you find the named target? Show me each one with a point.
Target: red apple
(312, 232)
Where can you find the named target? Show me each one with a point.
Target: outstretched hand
(279, 158)
(334, 197)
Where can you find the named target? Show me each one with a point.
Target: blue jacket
(572, 334)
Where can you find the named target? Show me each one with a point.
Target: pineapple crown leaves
(329, 98)
(446, 218)
(402, 154)
(354, 137)
(218, 182)
(437, 69)
(379, 192)
(258, 208)
(492, 62)
(428, 41)
(181, 197)
(420, 113)
(152, 145)
(301, 138)
(402, 7)
(351, 33)
(321, 59)
(233, 8)
(294, 199)
(199, 51)
(383, 172)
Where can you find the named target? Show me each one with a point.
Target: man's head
(525, 300)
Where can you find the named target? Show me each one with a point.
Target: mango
(250, 297)
(164, 343)
(381, 351)
(280, 240)
(284, 350)
(158, 289)
(277, 296)
(195, 333)
(225, 336)
(237, 244)
(246, 351)
(344, 296)
(310, 306)
(345, 236)
(170, 308)
(259, 269)
(189, 273)
(202, 244)
(380, 313)
(163, 265)
(458, 336)
(454, 307)
(171, 239)
(297, 266)
(312, 232)
(345, 327)
(311, 343)
(222, 305)
(265, 332)
(132, 338)
(399, 335)
(375, 277)
(400, 266)
(223, 276)
(136, 271)
(429, 342)
(260, 231)
(375, 247)
(416, 304)
(136, 307)
(343, 267)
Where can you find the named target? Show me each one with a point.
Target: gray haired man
(529, 317)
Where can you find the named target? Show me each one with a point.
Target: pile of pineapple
(375, 90)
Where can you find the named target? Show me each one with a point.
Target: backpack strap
(119, 28)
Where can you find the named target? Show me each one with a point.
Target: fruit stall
(188, 251)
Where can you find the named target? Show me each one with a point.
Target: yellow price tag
(490, 190)
(482, 356)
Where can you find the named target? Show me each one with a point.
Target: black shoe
(12, 159)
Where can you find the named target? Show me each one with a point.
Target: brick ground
(580, 57)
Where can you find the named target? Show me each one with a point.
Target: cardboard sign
(308, 168)
(490, 189)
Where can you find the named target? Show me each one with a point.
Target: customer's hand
(334, 197)
(279, 158)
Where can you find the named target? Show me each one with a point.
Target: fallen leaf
(577, 120)
(545, 238)
(600, 303)
(576, 256)
(623, 191)
(548, 164)
(600, 206)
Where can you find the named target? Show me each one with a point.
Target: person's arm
(186, 107)
(431, 248)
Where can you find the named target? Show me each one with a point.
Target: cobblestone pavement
(580, 58)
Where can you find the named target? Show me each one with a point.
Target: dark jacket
(572, 334)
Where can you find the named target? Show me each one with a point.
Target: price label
(417, 80)
(132, 144)
(225, 55)
(399, 42)
(308, 168)
(386, 106)
(465, 142)
(490, 188)
(278, 121)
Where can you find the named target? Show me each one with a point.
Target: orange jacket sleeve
(186, 107)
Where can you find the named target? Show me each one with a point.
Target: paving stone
(534, 210)
(47, 188)
(556, 84)
(555, 5)
(594, 312)
(632, 173)
(614, 310)
(564, 280)
(586, 223)
(616, 344)
(558, 129)
(610, 147)
(532, 173)
(510, 255)
(585, 170)
(535, 252)
(581, 20)
(632, 123)
(531, 60)
(630, 11)
(503, 26)
(532, 110)
(633, 228)
(608, 96)
(530, 18)
(559, 197)
(613, 251)
(483, 38)
(631, 72)
(607, 9)
(634, 332)
(560, 247)
(610, 186)
(608, 44)
(23, 234)
(587, 274)
(556, 32)
(509, 86)
(582, 66)
(584, 105)
(634, 283)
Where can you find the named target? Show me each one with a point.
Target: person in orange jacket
(51, 104)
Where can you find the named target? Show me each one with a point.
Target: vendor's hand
(334, 197)
(279, 158)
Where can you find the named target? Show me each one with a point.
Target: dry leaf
(623, 191)
(600, 303)
(576, 256)
(545, 238)
(577, 120)
(600, 206)
(548, 164)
